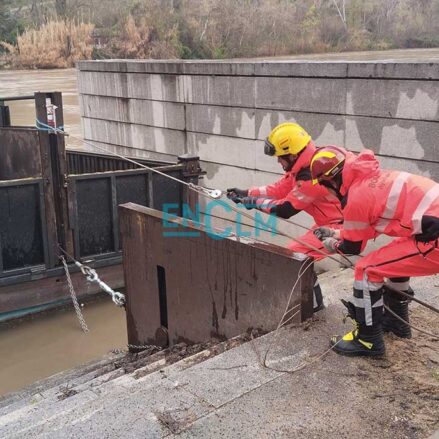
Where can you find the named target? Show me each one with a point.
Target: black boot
(400, 306)
(317, 295)
(363, 340)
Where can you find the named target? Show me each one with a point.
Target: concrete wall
(222, 111)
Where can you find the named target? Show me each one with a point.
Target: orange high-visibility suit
(296, 188)
(393, 203)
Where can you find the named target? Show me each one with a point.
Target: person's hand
(248, 202)
(430, 229)
(330, 244)
(324, 232)
(236, 192)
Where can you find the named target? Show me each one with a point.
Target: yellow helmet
(286, 138)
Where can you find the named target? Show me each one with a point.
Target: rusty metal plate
(20, 150)
(199, 287)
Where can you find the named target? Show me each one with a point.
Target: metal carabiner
(118, 298)
(89, 273)
(212, 193)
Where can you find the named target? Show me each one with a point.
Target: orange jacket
(296, 187)
(384, 201)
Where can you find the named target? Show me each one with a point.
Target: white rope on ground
(436, 337)
(287, 310)
(73, 296)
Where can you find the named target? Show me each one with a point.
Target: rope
(210, 193)
(73, 296)
(409, 324)
(263, 362)
(408, 296)
(41, 126)
(287, 310)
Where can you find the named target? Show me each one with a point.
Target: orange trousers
(400, 258)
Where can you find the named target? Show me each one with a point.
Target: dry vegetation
(55, 44)
(211, 28)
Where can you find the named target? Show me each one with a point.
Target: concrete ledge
(401, 69)
(394, 70)
(222, 110)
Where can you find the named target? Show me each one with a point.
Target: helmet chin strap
(291, 159)
(335, 185)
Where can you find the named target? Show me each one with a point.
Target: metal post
(5, 117)
(191, 173)
(54, 170)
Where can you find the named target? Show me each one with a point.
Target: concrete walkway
(231, 395)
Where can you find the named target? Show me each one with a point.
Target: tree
(10, 24)
(341, 10)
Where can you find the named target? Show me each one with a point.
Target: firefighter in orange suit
(294, 192)
(378, 201)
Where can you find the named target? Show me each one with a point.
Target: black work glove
(331, 244)
(236, 194)
(248, 202)
(430, 229)
(322, 233)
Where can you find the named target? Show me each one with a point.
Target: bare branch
(341, 14)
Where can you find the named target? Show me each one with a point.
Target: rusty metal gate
(192, 286)
(50, 198)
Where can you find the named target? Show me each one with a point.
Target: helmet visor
(269, 148)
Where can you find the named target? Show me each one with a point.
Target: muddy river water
(26, 82)
(37, 348)
(34, 349)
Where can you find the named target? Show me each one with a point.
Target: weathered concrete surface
(231, 395)
(160, 140)
(137, 111)
(222, 110)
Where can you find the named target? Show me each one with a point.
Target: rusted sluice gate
(51, 198)
(192, 286)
